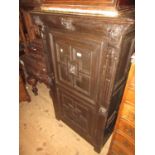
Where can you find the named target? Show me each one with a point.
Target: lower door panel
(76, 113)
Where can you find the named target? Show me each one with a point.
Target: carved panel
(109, 68)
(67, 23)
(97, 27)
(38, 26)
(75, 111)
(37, 20)
(114, 31)
(68, 107)
(77, 63)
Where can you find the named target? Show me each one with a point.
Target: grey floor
(42, 134)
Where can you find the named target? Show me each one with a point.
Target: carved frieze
(114, 31)
(67, 23)
(109, 68)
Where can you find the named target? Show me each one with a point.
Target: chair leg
(33, 82)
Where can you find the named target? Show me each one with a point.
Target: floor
(42, 134)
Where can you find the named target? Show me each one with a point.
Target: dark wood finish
(123, 140)
(29, 4)
(35, 59)
(32, 81)
(21, 32)
(89, 59)
(23, 94)
(87, 56)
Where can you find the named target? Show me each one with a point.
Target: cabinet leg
(97, 149)
(35, 90)
(57, 116)
(33, 82)
(55, 104)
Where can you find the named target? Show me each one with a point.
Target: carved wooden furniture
(88, 46)
(23, 93)
(123, 140)
(34, 58)
(35, 64)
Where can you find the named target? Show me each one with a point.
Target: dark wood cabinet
(89, 59)
(88, 45)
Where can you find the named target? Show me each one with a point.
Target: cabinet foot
(97, 149)
(35, 90)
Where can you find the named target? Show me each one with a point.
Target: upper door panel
(76, 63)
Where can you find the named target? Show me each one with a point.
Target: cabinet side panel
(127, 49)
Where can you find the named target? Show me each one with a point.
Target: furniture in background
(23, 93)
(123, 139)
(34, 57)
(87, 47)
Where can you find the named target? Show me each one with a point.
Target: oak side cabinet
(88, 53)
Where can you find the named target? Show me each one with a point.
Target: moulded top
(85, 7)
(93, 3)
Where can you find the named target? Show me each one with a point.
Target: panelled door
(76, 64)
(76, 71)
